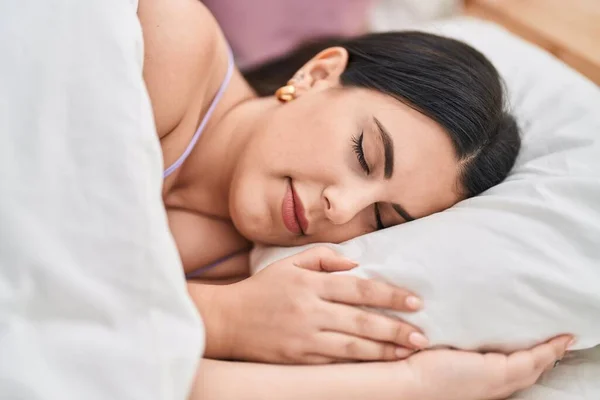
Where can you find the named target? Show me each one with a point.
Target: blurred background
(263, 31)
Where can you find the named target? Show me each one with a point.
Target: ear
(322, 71)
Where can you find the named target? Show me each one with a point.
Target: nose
(343, 203)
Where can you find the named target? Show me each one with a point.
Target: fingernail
(414, 303)
(403, 352)
(418, 340)
(351, 261)
(571, 343)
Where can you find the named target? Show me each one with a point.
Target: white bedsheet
(576, 378)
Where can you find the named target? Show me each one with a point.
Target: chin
(254, 216)
(257, 230)
(248, 222)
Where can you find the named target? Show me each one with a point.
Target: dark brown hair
(444, 79)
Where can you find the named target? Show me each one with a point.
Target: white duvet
(93, 303)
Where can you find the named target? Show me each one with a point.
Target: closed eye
(357, 146)
(378, 222)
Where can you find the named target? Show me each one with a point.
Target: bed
(93, 304)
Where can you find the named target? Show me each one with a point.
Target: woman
(379, 131)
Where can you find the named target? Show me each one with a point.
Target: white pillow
(520, 263)
(93, 303)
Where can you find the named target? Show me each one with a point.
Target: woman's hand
(293, 311)
(460, 375)
(430, 375)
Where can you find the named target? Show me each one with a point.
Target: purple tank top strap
(190, 147)
(198, 272)
(211, 109)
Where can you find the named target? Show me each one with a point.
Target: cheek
(254, 204)
(313, 143)
(243, 204)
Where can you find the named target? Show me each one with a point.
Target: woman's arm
(181, 56)
(294, 312)
(223, 380)
(429, 375)
(217, 322)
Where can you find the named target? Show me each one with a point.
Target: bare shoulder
(182, 46)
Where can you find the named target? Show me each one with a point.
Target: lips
(292, 211)
(299, 210)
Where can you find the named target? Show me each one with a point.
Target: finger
(316, 359)
(341, 346)
(521, 373)
(373, 326)
(305, 359)
(323, 259)
(528, 365)
(368, 292)
(520, 368)
(507, 374)
(546, 355)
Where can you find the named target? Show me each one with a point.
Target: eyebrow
(388, 170)
(388, 149)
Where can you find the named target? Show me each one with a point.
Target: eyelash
(357, 146)
(378, 221)
(357, 142)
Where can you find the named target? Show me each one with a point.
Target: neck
(205, 181)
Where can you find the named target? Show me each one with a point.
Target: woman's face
(337, 163)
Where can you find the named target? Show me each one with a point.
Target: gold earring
(286, 93)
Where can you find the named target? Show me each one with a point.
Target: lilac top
(190, 147)
(211, 109)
